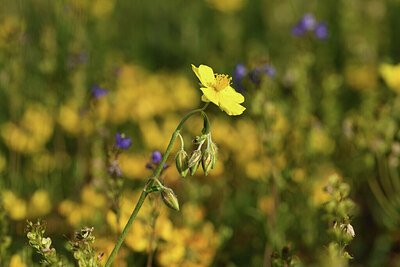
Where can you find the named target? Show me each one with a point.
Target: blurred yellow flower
(70, 210)
(15, 207)
(133, 166)
(40, 204)
(102, 8)
(92, 198)
(266, 204)
(72, 121)
(319, 195)
(192, 213)
(216, 88)
(90, 210)
(361, 77)
(320, 142)
(12, 29)
(227, 5)
(32, 133)
(391, 75)
(189, 247)
(16, 261)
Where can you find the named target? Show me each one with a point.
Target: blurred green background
(331, 113)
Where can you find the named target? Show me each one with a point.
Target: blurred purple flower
(156, 157)
(115, 169)
(98, 92)
(238, 75)
(298, 30)
(306, 23)
(255, 75)
(122, 142)
(257, 72)
(321, 31)
(269, 70)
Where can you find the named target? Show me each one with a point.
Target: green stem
(156, 174)
(182, 143)
(127, 226)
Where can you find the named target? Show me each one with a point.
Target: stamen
(222, 81)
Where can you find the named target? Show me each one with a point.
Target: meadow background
(329, 111)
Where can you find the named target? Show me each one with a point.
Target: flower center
(222, 81)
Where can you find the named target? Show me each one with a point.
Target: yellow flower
(15, 206)
(227, 6)
(16, 261)
(40, 204)
(391, 75)
(216, 88)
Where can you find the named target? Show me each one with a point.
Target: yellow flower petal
(232, 94)
(210, 94)
(205, 75)
(230, 102)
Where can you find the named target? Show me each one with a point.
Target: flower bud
(214, 152)
(181, 161)
(195, 158)
(193, 169)
(169, 198)
(348, 229)
(46, 242)
(207, 160)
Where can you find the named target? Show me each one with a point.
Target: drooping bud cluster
(208, 158)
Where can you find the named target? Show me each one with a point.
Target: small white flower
(348, 228)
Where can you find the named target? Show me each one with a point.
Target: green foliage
(82, 247)
(35, 234)
(5, 239)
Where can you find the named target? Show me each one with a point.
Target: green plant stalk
(156, 174)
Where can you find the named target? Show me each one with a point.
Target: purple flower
(98, 92)
(255, 75)
(269, 70)
(321, 31)
(238, 75)
(156, 157)
(240, 72)
(298, 30)
(306, 23)
(122, 142)
(257, 72)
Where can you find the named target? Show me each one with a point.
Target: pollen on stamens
(222, 81)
